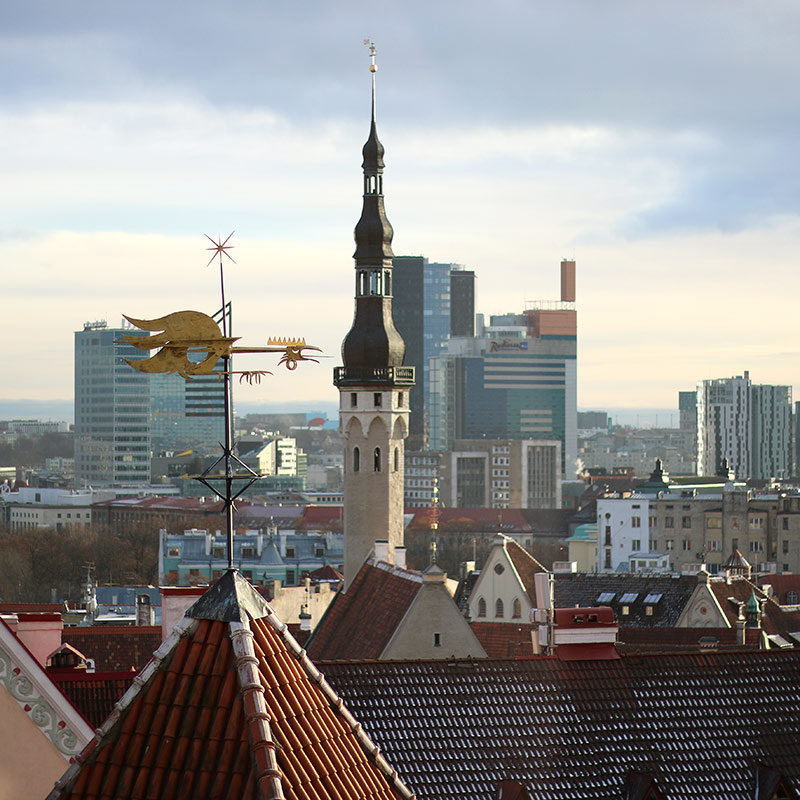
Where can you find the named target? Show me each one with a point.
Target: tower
(112, 410)
(373, 383)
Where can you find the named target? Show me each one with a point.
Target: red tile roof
(360, 623)
(504, 639)
(525, 565)
(230, 710)
(115, 648)
(92, 693)
(485, 518)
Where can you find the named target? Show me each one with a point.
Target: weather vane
(190, 343)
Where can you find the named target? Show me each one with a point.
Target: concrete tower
(373, 383)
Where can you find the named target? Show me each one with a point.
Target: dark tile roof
(632, 640)
(548, 520)
(230, 708)
(504, 639)
(360, 623)
(93, 694)
(115, 648)
(508, 520)
(567, 730)
(586, 589)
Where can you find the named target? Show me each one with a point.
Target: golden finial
(220, 247)
(373, 67)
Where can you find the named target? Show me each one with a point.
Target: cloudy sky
(656, 143)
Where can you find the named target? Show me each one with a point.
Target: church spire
(373, 347)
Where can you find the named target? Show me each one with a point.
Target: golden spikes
(272, 341)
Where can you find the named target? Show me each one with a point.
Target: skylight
(653, 598)
(628, 598)
(605, 597)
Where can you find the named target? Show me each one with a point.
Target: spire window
(377, 459)
(356, 460)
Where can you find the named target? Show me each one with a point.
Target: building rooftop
(564, 730)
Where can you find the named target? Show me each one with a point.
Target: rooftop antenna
(192, 333)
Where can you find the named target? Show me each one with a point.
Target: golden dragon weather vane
(189, 343)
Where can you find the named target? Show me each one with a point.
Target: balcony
(394, 376)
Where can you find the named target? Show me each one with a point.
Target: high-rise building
(112, 409)
(431, 303)
(373, 383)
(187, 414)
(772, 431)
(747, 425)
(724, 425)
(517, 379)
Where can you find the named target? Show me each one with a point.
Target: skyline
(652, 146)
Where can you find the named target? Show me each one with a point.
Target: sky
(655, 143)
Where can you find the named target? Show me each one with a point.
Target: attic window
(628, 598)
(605, 597)
(626, 610)
(499, 568)
(653, 598)
(437, 640)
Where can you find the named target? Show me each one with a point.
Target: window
(653, 545)
(756, 547)
(377, 459)
(791, 597)
(785, 522)
(218, 552)
(714, 522)
(289, 552)
(498, 609)
(636, 545)
(247, 551)
(400, 400)
(516, 612)
(353, 400)
(290, 577)
(626, 610)
(687, 545)
(173, 552)
(636, 522)
(356, 459)
(396, 459)
(378, 399)
(686, 522)
(669, 522)
(757, 522)
(785, 546)
(670, 544)
(651, 521)
(481, 607)
(714, 546)
(437, 640)
(319, 551)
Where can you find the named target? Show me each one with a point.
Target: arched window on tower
(396, 459)
(498, 609)
(356, 460)
(481, 607)
(516, 611)
(377, 459)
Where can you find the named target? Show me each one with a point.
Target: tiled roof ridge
(268, 776)
(530, 590)
(337, 704)
(411, 575)
(158, 661)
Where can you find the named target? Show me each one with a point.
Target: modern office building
(749, 426)
(502, 473)
(187, 414)
(112, 409)
(517, 379)
(432, 302)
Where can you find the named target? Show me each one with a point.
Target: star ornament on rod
(220, 248)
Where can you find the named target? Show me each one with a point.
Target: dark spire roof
(373, 347)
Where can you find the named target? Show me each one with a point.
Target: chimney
(568, 281)
(145, 614)
(400, 557)
(382, 550)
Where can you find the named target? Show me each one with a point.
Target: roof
(115, 648)
(567, 730)
(525, 565)
(664, 594)
(730, 594)
(230, 707)
(92, 693)
(360, 623)
(505, 639)
(509, 520)
(30, 687)
(326, 574)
